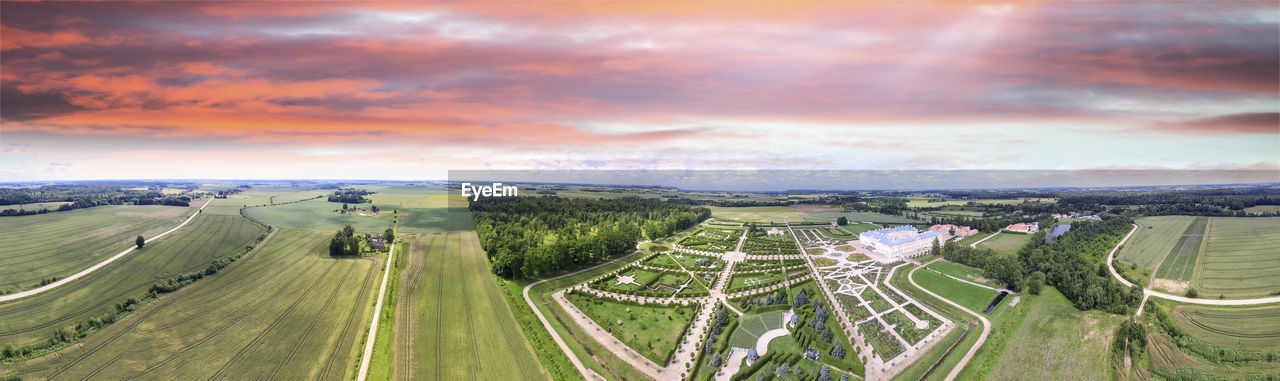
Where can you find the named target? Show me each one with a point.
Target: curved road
(986, 324)
(91, 269)
(1176, 298)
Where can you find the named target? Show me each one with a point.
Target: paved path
(1176, 298)
(377, 311)
(762, 344)
(975, 244)
(986, 326)
(91, 269)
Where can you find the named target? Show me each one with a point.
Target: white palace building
(902, 241)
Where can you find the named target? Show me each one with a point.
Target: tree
(1192, 293)
(344, 206)
(1036, 283)
(715, 360)
(389, 235)
(842, 221)
(824, 374)
(937, 247)
(838, 351)
(373, 208)
(140, 241)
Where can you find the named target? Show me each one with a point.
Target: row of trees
(1074, 263)
(350, 196)
(530, 237)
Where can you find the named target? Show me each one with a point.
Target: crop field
(1153, 240)
(972, 297)
(1180, 264)
(1057, 342)
(1007, 243)
(1247, 327)
(451, 320)
(322, 215)
(750, 327)
(192, 248)
(248, 321)
(1240, 258)
(653, 331)
(60, 244)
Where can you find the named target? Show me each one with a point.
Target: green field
(972, 297)
(60, 244)
(653, 331)
(451, 320)
(1006, 243)
(322, 215)
(1153, 240)
(1242, 327)
(288, 310)
(1262, 209)
(1180, 264)
(1240, 259)
(192, 248)
(1057, 342)
(964, 272)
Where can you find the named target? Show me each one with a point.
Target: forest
(532, 237)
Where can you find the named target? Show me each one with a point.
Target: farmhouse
(903, 241)
(1029, 227)
(961, 231)
(775, 231)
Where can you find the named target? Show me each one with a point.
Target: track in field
(1180, 264)
(406, 320)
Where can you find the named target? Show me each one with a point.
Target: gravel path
(91, 269)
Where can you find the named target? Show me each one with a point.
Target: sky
(332, 90)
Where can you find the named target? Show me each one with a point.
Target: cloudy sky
(409, 91)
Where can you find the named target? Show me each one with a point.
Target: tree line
(531, 237)
(1074, 263)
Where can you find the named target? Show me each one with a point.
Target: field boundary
(91, 269)
(1158, 294)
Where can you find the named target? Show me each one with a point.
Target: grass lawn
(964, 272)
(972, 297)
(966, 241)
(859, 228)
(1240, 259)
(287, 311)
(1153, 240)
(653, 331)
(59, 244)
(192, 248)
(1057, 342)
(1007, 243)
